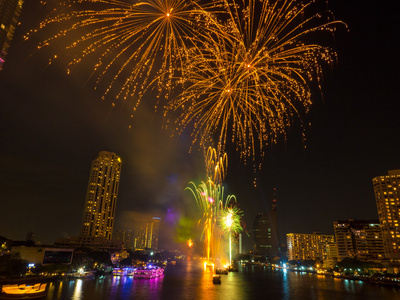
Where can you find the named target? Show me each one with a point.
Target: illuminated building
(332, 255)
(266, 234)
(387, 198)
(126, 236)
(10, 10)
(146, 233)
(101, 196)
(315, 246)
(361, 239)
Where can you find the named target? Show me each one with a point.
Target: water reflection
(190, 281)
(78, 290)
(285, 285)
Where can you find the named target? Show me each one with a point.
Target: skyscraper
(146, 233)
(361, 239)
(275, 240)
(126, 236)
(266, 233)
(262, 235)
(387, 196)
(101, 196)
(10, 10)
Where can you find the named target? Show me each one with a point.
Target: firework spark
(134, 46)
(230, 220)
(249, 82)
(210, 199)
(216, 166)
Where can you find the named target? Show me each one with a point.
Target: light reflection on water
(77, 291)
(190, 281)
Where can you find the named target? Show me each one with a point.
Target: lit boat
(23, 291)
(119, 272)
(148, 273)
(217, 279)
(129, 271)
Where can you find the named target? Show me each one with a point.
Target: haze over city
(54, 124)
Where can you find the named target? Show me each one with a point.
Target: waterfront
(190, 281)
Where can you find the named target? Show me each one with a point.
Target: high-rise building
(275, 240)
(10, 11)
(146, 233)
(304, 246)
(126, 236)
(361, 239)
(101, 196)
(387, 196)
(266, 233)
(262, 235)
(332, 255)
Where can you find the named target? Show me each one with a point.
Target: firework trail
(233, 72)
(210, 200)
(252, 79)
(133, 46)
(230, 220)
(216, 166)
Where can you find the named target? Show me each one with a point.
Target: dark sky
(52, 126)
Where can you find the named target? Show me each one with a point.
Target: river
(190, 281)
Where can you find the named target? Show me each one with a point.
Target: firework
(230, 220)
(252, 79)
(134, 46)
(216, 165)
(210, 199)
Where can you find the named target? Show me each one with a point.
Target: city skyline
(53, 125)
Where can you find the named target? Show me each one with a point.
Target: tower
(101, 196)
(275, 241)
(266, 233)
(262, 235)
(126, 236)
(387, 196)
(10, 10)
(146, 233)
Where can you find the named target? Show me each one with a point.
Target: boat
(148, 273)
(23, 291)
(119, 272)
(81, 275)
(216, 279)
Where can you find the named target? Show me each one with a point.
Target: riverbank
(30, 279)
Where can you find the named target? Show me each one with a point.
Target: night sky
(53, 125)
